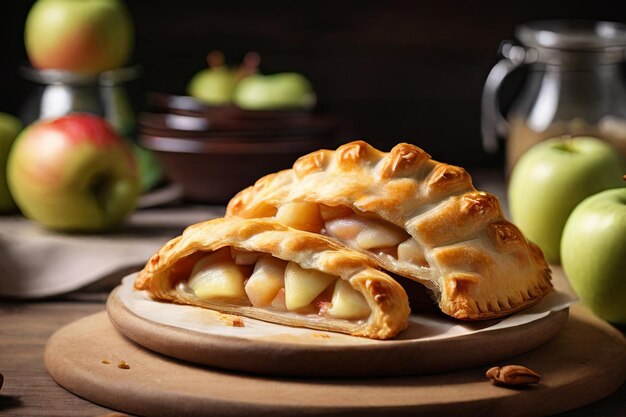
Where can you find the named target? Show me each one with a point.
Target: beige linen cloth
(36, 263)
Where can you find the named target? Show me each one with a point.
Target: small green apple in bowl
(593, 253)
(282, 91)
(552, 178)
(86, 36)
(10, 126)
(214, 85)
(73, 174)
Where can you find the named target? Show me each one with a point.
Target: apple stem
(567, 145)
(215, 59)
(249, 65)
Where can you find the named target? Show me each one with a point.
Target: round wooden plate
(584, 363)
(432, 343)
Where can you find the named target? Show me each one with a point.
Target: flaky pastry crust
(479, 265)
(174, 261)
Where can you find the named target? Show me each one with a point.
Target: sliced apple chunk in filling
(366, 233)
(302, 216)
(266, 281)
(275, 284)
(376, 234)
(218, 276)
(334, 212)
(245, 257)
(279, 303)
(347, 303)
(302, 286)
(343, 228)
(411, 251)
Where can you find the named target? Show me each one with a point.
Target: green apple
(282, 91)
(216, 84)
(73, 174)
(552, 178)
(213, 86)
(10, 126)
(593, 253)
(83, 36)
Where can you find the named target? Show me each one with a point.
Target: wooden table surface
(28, 390)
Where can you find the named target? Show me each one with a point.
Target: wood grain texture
(83, 356)
(28, 390)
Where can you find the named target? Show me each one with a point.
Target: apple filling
(372, 234)
(258, 279)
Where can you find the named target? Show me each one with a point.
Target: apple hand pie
(265, 270)
(417, 217)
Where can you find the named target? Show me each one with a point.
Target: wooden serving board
(583, 363)
(432, 343)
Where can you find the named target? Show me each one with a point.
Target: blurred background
(390, 71)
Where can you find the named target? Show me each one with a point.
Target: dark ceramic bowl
(229, 117)
(197, 125)
(214, 170)
(214, 152)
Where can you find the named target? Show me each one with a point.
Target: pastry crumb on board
(122, 364)
(234, 321)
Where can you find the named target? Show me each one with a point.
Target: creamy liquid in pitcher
(522, 137)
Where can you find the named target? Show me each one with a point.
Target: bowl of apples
(234, 125)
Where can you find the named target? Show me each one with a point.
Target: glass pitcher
(575, 86)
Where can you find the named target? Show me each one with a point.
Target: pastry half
(416, 217)
(265, 270)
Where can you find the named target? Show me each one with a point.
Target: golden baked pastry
(262, 269)
(416, 217)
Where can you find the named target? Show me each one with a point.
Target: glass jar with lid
(575, 86)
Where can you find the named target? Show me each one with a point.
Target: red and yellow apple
(73, 174)
(86, 36)
(10, 126)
